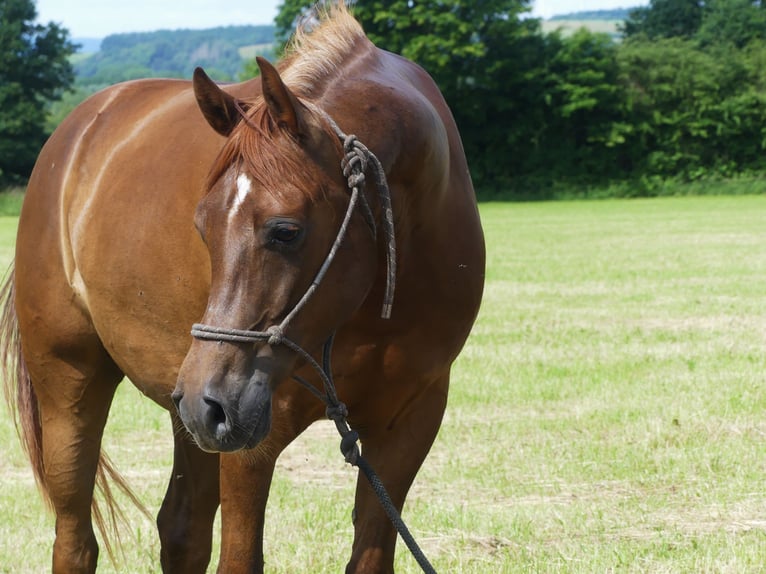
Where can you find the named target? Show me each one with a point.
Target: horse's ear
(218, 107)
(284, 107)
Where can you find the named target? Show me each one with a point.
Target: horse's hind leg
(74, 383)
(395, 451)
(185, 521)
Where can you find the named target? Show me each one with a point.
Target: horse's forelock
(272, 158)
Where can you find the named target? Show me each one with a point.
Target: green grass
(607, 415)
(10, 202)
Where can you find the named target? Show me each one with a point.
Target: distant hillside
(599, 21)
(174, 53)
(568, 27)
(614, 14)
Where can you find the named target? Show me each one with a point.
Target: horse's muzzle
(222, 421)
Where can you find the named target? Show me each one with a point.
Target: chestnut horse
(140, 220)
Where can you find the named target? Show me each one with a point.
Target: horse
(158, 205)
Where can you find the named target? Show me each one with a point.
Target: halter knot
(276, 335)
(354, 163)
(337, 412)
(349, 142)
(349, 448)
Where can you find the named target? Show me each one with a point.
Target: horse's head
(276, 199)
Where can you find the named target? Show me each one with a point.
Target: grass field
(569, 27)
(607, 415)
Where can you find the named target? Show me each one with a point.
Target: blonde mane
(322, 42)
(317, 50)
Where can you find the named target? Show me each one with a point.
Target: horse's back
(106, 232)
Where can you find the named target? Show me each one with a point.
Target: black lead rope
(337, 412)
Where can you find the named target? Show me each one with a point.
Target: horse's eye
(284, 233)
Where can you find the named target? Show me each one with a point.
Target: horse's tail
(17, 384)
(22, 402)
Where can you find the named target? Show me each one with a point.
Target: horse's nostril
(216, 418)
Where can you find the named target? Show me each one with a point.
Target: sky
(99, 18)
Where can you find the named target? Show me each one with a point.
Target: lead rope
(354, 164)
(337, 412)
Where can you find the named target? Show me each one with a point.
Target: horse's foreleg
(246, 479)
(395, 452)
(185, 520)
(245, 483)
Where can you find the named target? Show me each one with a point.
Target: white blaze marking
(244, 185)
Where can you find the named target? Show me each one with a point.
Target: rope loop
(354, 163)
(356, 180)
(349, 448)
(348, 142)
(348, 162)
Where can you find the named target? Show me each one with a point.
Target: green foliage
(167, 53)
(61, 108)
(588, 126)
(568, 27)
(733, 22)
(226, 53)
(33, 69)
(696, 113)
(502, 108)
(250, 68)
(665, 19)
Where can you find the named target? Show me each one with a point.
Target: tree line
(681, 97)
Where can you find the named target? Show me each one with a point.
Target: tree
(483, 55)
(733, 22)
(665, 19)
(696, 114)
(34, 69)
(588, 126)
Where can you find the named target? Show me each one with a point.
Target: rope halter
(357, 158)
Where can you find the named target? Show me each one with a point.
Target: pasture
(608, 414)
(569, 27)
